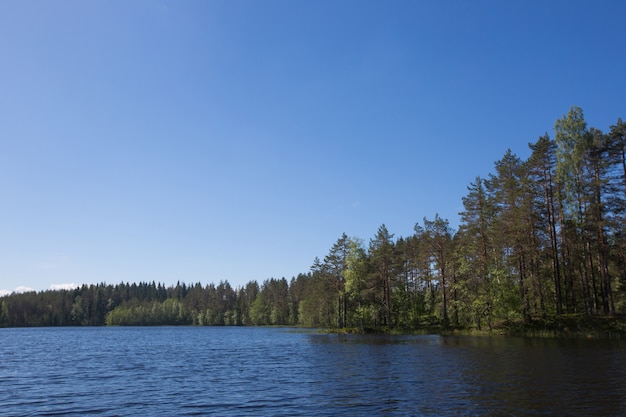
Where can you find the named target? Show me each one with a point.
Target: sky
(202, 141)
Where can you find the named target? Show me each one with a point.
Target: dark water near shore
(171, 371)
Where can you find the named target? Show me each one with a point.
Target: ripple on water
(278, 372)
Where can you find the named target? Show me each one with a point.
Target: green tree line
(538, 238)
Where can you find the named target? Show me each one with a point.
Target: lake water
(227, 371)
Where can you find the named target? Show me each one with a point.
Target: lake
(233, 371)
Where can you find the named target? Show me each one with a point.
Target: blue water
(226, 371)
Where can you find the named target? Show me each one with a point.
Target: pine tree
(334, 267)
(381, 256)
(541, 172)
(438, 236)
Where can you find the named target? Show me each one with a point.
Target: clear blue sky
(237, 140)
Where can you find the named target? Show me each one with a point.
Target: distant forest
(539, 238)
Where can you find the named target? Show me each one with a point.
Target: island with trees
(541, 246)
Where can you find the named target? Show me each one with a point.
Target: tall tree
(334, 267)
(573, 142)
(542, 165)
(475, 250)
(617, 152)
(439, 237)
(356, 273)
(598, 166)
(510, 264)
(381, 256)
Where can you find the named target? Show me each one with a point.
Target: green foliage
(572, 140)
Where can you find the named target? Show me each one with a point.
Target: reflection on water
(448, 375)
(262, 371)
(560, 377)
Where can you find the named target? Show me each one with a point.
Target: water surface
(229, 371)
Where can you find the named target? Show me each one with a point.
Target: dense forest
(539, 238)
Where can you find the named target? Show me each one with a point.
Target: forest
(538, 240)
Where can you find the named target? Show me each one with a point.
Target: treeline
(542, 237)
(140, 304)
